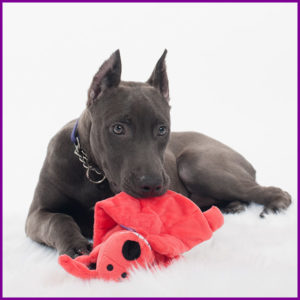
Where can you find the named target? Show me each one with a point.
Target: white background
(232, 72)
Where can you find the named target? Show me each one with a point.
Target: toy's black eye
(162, 130)
(124, 275)
(118, 129)
(131, 250)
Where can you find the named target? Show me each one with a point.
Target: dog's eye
(118, 129)
(162, 130)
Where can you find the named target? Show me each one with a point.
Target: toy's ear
(131, 250)
(167, 245)
(214, 218)
(76, 268)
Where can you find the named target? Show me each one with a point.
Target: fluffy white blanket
(248, 256)
(232, 71)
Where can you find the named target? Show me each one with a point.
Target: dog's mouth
(145, 194)
(146, 190)
(137, 194)
(141, 186)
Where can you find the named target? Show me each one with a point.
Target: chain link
(83, 158)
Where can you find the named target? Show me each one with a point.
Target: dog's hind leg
(226, 178)
(233, 207)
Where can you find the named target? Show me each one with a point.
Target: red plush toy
(131, 232)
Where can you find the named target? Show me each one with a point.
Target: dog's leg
(49, 224)
(225, 176)
(57, 230)
(233, 207)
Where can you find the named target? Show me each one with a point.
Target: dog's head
(130, 128)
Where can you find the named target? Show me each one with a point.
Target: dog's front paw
(278, 200)
(78, 248)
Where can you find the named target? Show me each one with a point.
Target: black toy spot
(92, 266)
(109, 267)
(131, 250)
(124, 275)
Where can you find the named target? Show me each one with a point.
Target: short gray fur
(145, 160)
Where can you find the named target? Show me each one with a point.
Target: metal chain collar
(83, 157)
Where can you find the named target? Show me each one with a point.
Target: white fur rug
(248, 256)
(232, 72)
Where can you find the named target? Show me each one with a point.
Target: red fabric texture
(172, 224)
(108, 258)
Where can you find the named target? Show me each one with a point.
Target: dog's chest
(89, 193)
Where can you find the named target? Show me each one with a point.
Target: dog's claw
(277, 205)
(78, 251)
(234, 207)
(263, 214)
(86, 250)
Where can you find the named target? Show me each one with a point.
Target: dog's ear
(109, 75)
(159, 77)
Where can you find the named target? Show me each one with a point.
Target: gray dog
(122, 142)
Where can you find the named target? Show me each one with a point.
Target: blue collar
(74, 133)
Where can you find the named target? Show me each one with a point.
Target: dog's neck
(84, 128)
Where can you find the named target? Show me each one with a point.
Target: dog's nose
(150, 186)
